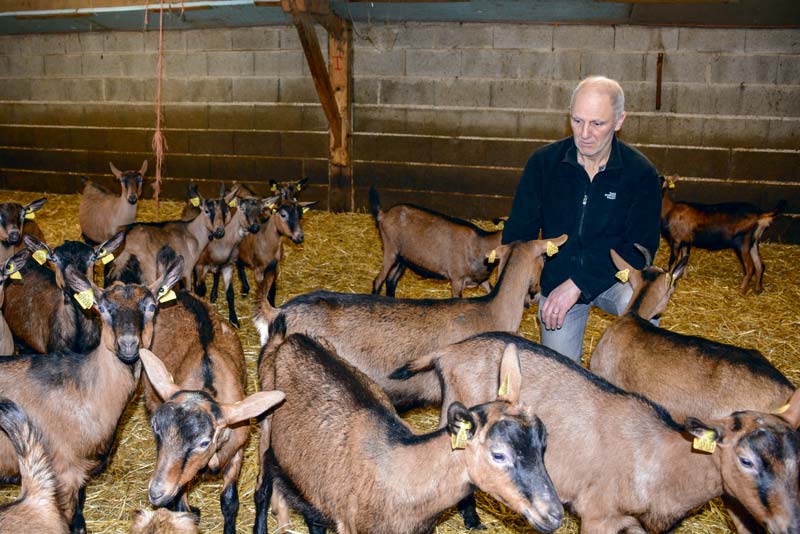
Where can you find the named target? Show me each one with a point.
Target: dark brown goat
(36, 509)
(433, 244)
(11, 266)
(621, 460)
(731, 225)
(103, 213)
(16, 221)
(143, 241)
(377, 334)
(39, 307)
(77, 400)
(163, 521)
(341, 454)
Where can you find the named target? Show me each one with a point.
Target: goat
(731, 225)
(376, 334)
(263, 251)
(77, 400)
(102, 213)
(620, 459)
(163, 521)
(288, 190)
(433, 244)
(10, 267)
(40, 309)
(36, 509)
(340, 453)
(16, 221)
(137, 262)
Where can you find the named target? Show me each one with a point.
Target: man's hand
(558, 303)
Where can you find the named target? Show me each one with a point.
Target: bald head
(602, 85)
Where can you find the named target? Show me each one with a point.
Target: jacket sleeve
(525, 219)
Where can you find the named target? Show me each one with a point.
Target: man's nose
(585, 129)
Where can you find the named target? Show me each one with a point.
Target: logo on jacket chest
(611, 195)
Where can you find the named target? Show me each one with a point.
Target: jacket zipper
(580, 221)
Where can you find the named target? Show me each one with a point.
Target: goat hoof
(235, 322)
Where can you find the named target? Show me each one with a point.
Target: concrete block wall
(445, 114)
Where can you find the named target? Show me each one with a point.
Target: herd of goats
(658, 425)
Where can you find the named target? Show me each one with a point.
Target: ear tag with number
(706, 443)
(194, 201)
(40, 256)
(504, 387)
(552, 248)
(782, 409)
(165, 295)
(30, 215)
(670, 184)
(459, 440)
(232, 203)
(85, 298)
(105, 257)
(492, 257)
(622, 275)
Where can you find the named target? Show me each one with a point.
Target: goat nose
(132, 199)
(13, 237)
(298, 237)
(128, 346)
(219, 232)
(254, 228)
(156, 495)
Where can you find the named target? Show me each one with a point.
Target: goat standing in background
(103, 213)
(11, 266)
(40, 308)
(433, 244)
(35, 510)
(340, 453)
(731, 225)
(17, 221)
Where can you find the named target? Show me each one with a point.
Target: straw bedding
(342, 252)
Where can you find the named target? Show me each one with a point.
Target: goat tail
(415, 366)
(36, 472)
(374, 203)
(766, 218)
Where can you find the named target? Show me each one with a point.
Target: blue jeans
(568, 340)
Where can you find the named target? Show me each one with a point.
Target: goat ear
(14, 264)
(632, 275)
(81, 285)
(158, 375)
(194, 193)
(171, 277)
(34, 244)
(459, 416)
(270, 201)
(144, 168)
(792, 412)
(510, 375)
(108, 246)
(301, 183)
(35, 205)
(679, 268)
(231, 195)
(115, 171)
(700, 430)
(251, 406)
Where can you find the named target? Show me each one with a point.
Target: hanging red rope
(159, 142)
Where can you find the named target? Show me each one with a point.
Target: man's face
(593, 123)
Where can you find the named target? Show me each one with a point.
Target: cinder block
(445, 122)
(480, 152)
(645, 38)
(256, 38)
(371, 62)
(789, 70)
(93, 64)
(560, 94)
(313, 118)
(630, 129)
(669, 129)
(228, 168)
(297, 90)
(84, 42)
(231, 116)
(765, 165)
(25, 66)
(123, 42)
(523, 94)
(67, 113)
(523, 36)
(279, 62)
(376, 38)
(680, 67)
(735, 132)
(784, 132)
(173, 41)
(255, 90)
(10, 44)
(211, 142)
(82, 90)
(209, 90)
(90, 139)
(140, 65)
(41, 44)
(257, 143)
(409, 149)
(371, 118)
(740, 68)
(185, 64)
(416, 35)
(239, 63)
(462, 92)
(62, 65)
(705, 99)
(696, 161)
(773, 40)
(270, 116)
(584, 37)
(465, 35)
(214, 39)
(556, 65)
(492, 64)
(621, 66)
(126, 90)
(405, 91)
(304, 144)
(186, 116)
(488, 123)
(711, 39)
(437, 63)
(289, 38)
(544, 125)
(43, 89)
(771, 100)
(365, 90)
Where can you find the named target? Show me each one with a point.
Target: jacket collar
(614, 159)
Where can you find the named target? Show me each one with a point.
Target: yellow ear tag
(13, 272)
(85, 298)
(299, 187)
(622, 275)
(165, 295)
(492, 257)
(40, 256)
(782, 409)
(30, 215)
(552, 248)
(194, 201)
(706, 443)
(107, 258)
(504, 387)
(670, 184)
(232, 203)
(305, 210)
(459, 440)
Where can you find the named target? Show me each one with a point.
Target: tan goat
(17, 221)
(163, 521)
(102, 213)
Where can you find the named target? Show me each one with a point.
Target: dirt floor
(342, 252)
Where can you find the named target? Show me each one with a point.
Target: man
(601, 192)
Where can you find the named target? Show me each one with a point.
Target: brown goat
(432, 244)
(39, 307)
(621, 460)
(163, 521)
(340, 453)
(16, 221)
(36, 509)
(11, 266)
(143, 241)
(102, 213)
(731, 225)
(77, 400)
(377, 334)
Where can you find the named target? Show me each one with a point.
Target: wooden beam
(340, 169)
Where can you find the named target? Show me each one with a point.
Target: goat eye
(203, 444)
(499, 457)
(745, 462)
(283, 215)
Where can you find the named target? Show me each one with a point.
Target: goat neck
(520, 275)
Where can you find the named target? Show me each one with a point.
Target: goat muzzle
(219, 233)
(297, 238)
(545, 523)
(132, 199)
(13, 237)
(128, 348)
(254, 228)
(158, 496)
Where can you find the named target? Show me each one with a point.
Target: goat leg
(262, 497)
(395, 274)
(214, 287)
(78, 523)
(759, 275)
(242, 277)
(468, 510)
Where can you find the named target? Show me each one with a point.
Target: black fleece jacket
(619, 207)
